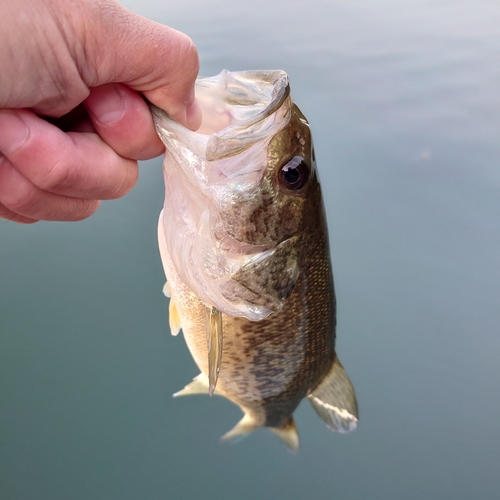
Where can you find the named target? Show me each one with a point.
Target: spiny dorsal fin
(213, 323)
(288, 433)
(334, 400)
(199, 385)
(174, 319)
(241, 429)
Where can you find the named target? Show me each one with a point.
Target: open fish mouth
(239, 110)
(207, 174)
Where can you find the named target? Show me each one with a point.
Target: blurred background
(404, 102)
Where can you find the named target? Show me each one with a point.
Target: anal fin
(334, 400)
(288, 434)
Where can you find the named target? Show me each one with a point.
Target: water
(404, 102)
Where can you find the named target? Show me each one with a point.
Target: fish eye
(294, 174)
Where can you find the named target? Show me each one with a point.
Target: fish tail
(334, 400)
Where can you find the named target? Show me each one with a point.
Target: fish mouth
(237, 111)
(253, 90)
(204, 171)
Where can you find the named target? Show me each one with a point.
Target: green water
(404, 101)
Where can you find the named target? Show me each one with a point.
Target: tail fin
(334, 400)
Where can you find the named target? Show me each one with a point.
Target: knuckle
(83, 210)
(193, 57)
(128, 181)
(9, 215)
(131, 178)
(23, 201)
(55, 178)
(59, 208)
(188, 62)
(17, 193)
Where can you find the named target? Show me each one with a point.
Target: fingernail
(13, 132)
(193, 116)
(106, 104)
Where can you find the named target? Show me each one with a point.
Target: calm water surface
(404, 101)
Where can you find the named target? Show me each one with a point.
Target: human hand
(73, 122)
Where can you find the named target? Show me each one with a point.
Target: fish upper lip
(243, 131)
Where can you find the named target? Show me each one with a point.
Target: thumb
(120, 46)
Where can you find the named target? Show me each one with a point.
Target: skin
(73, 122)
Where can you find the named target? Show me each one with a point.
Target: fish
(243, 239)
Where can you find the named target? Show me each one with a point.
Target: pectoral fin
(213, 322)
(241, 429)
(173, 318)
(334, 400)
(199, 385)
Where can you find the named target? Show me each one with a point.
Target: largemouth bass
(244, 245)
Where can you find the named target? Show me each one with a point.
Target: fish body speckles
(244, 244)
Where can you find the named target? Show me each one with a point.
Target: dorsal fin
(334, 400)
(289, 435)
(241, 429)
(199, 385)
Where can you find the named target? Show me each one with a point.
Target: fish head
(241, 193)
